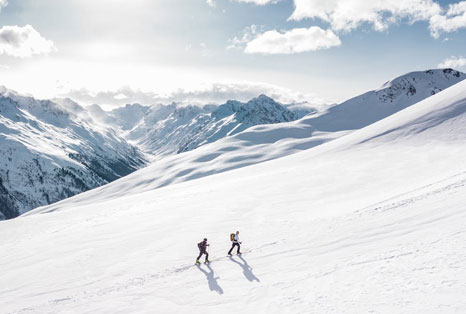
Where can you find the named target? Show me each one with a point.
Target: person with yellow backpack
(234, 238)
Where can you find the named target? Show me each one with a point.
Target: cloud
(346, 15)
(216, 93)
(249, 34)
(294, 41)
(211, 3)
(258, 2)
(120, 96)
(453, 62)
(3, 3)
(22, 42)
(454, 19)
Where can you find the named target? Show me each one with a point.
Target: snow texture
(373, 221)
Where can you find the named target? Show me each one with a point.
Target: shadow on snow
(247, 270)
(211, 279)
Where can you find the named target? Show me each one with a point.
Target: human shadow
(211, 279)
(247, 270)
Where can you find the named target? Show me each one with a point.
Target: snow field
(372, 222)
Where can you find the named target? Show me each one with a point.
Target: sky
(114, 52)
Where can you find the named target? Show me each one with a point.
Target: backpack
(199, 245)
(232, 237)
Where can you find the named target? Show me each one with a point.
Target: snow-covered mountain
(56, 149)
(265, 142)
(50, 151)
(163, 130)
(169, 129)
(391, 97)
(262, 128)
(371, 222)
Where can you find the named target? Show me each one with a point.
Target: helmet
(205, 239)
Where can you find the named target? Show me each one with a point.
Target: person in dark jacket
(203, 250)
(236, 242)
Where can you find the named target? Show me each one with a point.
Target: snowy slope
(391, 97)
(50, 151)
(374, 221)
(248, 133)
(254, 145)
(265, 142)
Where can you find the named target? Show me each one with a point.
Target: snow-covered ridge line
(93, 147)
(164, 130)
(393, 96)
(263, 143)
(50, 151)
(60, 149)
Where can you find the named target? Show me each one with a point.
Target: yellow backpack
(232, 237)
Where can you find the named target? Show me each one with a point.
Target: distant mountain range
(51, 150)
(167, 129)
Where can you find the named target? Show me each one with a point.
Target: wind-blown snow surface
(374, 221)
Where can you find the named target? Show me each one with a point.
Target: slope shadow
(247, 270)
(211, 279)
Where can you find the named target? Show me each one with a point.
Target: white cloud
(346, 15)
(211, 3)
(249, 34)
(3, 3)
(258, 2)
(23, 42)
(294, 41)
(216, 93)
(453, 62)
(120, 96)
(454, 19)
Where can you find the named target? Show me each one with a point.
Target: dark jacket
(203, 246)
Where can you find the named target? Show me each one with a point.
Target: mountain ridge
(49, 152)
(267, 128)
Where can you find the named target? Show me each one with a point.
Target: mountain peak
(434, 76)
(263, 97)
(393, 96)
